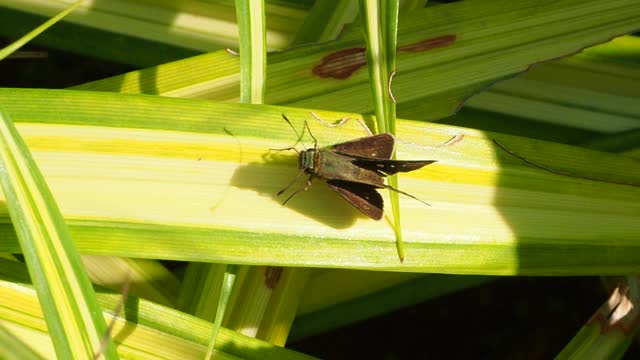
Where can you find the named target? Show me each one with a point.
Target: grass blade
(68, 301)
(35, 32)
(154, 331)
(253, 54)
(380, 24)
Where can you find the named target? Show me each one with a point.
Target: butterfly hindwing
(390, 167)
(374, 147)
(362, 196)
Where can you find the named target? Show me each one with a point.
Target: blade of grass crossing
(370, 17)
(389, 21)
(35, 32)
(389, 26)
(380, 24)
(225, 294)
(253, 55)
(253, 61)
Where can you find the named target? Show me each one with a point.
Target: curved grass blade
(154, 330)
(66, 295)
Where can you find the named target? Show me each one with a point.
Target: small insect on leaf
(354, 169)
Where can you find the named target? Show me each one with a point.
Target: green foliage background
(163, 163)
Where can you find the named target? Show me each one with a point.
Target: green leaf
(467, 46)
(143, 329)
(66, 295)
(253, 62)
(12, 348)
(204, 26)
(182, 176)
(226, 290)
(380, 24)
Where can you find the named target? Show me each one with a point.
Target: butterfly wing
(363, 197)
(374, 147)
(390, 167)
(374, 153)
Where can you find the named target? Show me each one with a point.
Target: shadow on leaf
(318, 203)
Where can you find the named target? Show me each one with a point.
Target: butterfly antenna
(299, 140)
(315, 141)
(405, 194)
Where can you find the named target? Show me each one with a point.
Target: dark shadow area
(544, 253)
(406, 294)
(508, 124)
(53, 69)
(512, 318)
(62, 67)
(319, 202)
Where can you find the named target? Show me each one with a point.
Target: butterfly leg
(285, 149)
(291, 183)
(308, 184)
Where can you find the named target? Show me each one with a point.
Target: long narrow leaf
(438, 67)
(253, 62)
(154, 332)
(203, 26)
(182, 176)
(380, 24)
(68, 301)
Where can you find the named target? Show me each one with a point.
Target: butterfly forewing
(364, 197)
(390, 167)
(375, 147)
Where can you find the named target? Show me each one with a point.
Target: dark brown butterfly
(354, 169)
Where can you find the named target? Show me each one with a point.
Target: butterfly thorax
(308, 160)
